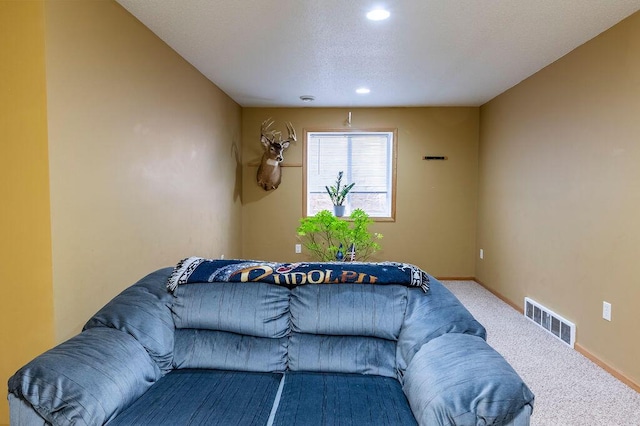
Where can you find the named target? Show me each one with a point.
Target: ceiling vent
(550, 321)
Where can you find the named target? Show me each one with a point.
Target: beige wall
(559, 203)
(143, 171)
(436, 201)
(26, 305)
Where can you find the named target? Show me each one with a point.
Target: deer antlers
(269, 135)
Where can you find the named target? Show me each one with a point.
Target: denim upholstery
(429, 317)
(229, 351)
(88, 379)
(143, 311)
(349, 328)
(349, 310)
(389, 350)
(252, 309)
(347, 400)
(342, 354)
(490, 393)
(231, 326)
(204, 397)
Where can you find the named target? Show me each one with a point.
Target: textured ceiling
(428, 53)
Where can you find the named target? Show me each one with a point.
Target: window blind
(365, 158)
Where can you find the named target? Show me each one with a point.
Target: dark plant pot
(338, 211)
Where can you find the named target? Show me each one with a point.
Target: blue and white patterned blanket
(199, 270)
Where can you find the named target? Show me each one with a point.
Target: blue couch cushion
(342, 354)
(253, 309)
(310, 399)
(349, 310)
(229, 351)
(205, 397)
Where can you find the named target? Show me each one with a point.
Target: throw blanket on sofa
(199, 270)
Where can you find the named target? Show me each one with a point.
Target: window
(366, 158)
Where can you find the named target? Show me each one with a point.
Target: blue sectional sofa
(263, 354)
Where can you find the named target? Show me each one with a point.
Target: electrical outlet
(481, 254)
(222, 256)
(606, 311)
(298, 248)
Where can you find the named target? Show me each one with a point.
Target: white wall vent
(550, 321)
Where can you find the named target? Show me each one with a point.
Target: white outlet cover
(298, 248)
(606, 311)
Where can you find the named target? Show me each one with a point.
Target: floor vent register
(550, 321)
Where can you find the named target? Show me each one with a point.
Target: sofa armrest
(23, 414)
(86, 380)
(429, 316)
(522, 417)
(458, 379)
(143, 311)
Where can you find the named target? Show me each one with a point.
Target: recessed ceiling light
(363, 91)
(378, 14)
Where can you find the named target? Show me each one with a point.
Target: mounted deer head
(269, 172)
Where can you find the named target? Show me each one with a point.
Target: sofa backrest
(345, 328)
(348, 328)
(231, 326)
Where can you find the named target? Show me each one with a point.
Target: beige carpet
(570, 389)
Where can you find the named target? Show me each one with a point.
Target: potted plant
(328, 238)
(338, 193)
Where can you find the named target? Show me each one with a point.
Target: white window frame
(392, 164)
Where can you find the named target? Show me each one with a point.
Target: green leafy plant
(336, 193)
(324, 234)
